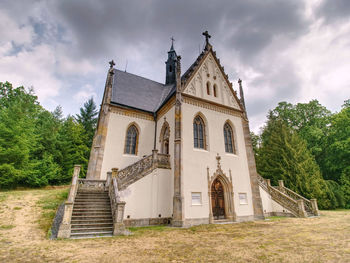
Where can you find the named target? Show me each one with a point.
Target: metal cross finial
(207, 36)
(172, 40)
(111, 63)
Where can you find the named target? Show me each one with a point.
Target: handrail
(292, 194)
(141, 168)
(284, 200)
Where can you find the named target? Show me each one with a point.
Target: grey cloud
(334, 10)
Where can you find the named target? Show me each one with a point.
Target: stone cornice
(199, 102)
(131, 113)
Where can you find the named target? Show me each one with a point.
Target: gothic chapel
(180, 152)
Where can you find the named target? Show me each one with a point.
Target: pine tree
(88, 119)
(283, 155)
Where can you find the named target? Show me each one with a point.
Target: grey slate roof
(137, 92)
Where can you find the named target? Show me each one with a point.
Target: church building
(180, 152)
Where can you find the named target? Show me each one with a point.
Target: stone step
(91, 213)
(92, 193)
(83, 198)
(105, 216)
(91, 203)
(92, 209)
(103, 201)
(92, 221)
(92, 228)
(92, 225)
(91, 234)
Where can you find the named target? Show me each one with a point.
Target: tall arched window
(229, 139)
(199, 133)
(131, 140)
(214, 90)
(208, 88)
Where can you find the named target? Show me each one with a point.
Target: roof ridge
(139, 76)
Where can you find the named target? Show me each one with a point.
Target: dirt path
(322, 239)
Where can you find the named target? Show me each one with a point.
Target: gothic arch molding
(164, 137)
(206, 129)
(228, 192)
(138, 132)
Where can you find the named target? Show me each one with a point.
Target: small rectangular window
(196, 198)
(243, 199)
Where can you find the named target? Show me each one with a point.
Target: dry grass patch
(321, 239)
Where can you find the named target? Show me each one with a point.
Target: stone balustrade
(298, 205)
(65, 226)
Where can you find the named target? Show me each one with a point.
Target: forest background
(305, 145)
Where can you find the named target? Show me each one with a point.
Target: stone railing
(65, 226)
(117, 206)
(141, 168)
(87, 184)
(308, 204)
(285, 201)
(298, 205)
(163, 161)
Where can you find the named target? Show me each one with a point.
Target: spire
(207, 36)
(241, 93)
(171, 64)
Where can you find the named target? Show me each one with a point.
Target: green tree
(72, 149)
(283, 155)
(88, 119)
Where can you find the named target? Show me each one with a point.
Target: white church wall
(170, 119)
(149, 197)
(196, 161)
(114, 156)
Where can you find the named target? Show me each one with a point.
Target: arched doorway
(218, 200)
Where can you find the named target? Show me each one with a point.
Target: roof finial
(207, 36)
(241, 93)
(111, 64)
(172, 43)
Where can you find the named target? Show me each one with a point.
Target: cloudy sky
(291, 51)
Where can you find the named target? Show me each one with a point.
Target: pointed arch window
(215, 90)
(131, 140)
(199, 133)
(208, 88)
(229, 139)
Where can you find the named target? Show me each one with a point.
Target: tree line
(308, 147)
(305, 145)
(39, 147)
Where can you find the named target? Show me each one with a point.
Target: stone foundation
(285, 214)
(147, 221)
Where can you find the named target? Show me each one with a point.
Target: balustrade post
(314, 207)
(108, 180)
(65, 226)
(119, 227)
(302, 212)
(114, 172)
(155, 158)
(281, 186)
(268, 181)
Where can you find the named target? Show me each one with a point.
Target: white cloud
(85, 93)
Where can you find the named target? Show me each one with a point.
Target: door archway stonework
(226, 183)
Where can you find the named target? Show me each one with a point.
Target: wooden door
(218, 200)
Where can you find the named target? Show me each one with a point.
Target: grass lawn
(25, 218)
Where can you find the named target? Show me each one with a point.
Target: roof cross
(172, 40)
(207, 36)
(111, 64)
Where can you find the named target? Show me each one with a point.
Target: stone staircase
(296, 204)
(92, 215)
